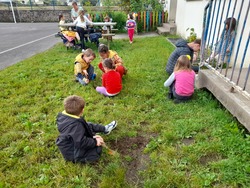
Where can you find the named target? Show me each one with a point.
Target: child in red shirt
(104, 53)
(111, 80)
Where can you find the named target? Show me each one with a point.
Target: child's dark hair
(103, 48)
(60, 17)
(231, 21)
(131, 16)
(197, 41)
(108, 63)
(74, 105)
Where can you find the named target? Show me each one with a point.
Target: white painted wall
(189, 14)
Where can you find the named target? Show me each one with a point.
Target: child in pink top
(181, 81)
(130, 24)
(111, 80)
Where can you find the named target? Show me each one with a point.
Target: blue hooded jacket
(182, 49)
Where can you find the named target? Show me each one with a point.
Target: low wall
(33, 15)
(42, 15)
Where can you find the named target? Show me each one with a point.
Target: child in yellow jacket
(84, 72)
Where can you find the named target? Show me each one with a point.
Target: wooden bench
(109, 37)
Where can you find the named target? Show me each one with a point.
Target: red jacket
(112, 82)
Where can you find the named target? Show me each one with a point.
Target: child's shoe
(110, 127)
(93, 76)
(83, 81)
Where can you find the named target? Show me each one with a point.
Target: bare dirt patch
(188, 141)
(131, 150)
(210, 157)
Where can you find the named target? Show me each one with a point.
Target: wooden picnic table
(108, 33)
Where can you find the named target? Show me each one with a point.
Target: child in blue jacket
(78, 141)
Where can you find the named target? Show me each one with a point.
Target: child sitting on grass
(111, 80)
(181, 81)
(78, 141)
(104, 52)
(84, 72)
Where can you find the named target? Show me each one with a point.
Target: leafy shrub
(120, 18)
(139, 26)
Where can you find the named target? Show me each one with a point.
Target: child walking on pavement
(130, 24)
(111, 80)
(181, 81)
(84, 72)
(78, 141)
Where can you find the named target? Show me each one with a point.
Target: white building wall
(189, 14)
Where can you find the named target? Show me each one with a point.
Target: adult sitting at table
(81, 27)
(75, 10)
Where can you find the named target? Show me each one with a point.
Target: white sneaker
(110, 127)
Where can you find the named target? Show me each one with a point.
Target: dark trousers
(179, 97)
(92, 154)
(81, 33)
(90, 71)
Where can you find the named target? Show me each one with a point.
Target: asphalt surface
(22, 40)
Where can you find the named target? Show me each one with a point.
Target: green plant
(139, 26)
(192, 35)
(120, 18)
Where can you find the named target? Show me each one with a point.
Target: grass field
(157, 143)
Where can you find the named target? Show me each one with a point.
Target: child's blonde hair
(74, 105)
(183, 63)
(89, 52)
(81, 14)
(107, 19)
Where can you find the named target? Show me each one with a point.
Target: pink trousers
(131, 34)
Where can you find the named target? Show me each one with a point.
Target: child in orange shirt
(104, 52)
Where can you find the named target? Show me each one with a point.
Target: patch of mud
(131, 150)
(188, 141)
(210, 157)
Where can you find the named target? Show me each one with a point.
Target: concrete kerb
(237, 104)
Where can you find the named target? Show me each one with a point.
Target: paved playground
(23, 40)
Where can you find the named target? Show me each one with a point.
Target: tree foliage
(141, 5)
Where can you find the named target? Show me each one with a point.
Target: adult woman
(75, 10)
(81, 25)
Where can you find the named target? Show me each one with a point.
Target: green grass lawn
(158, 143)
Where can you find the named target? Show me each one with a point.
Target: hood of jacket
(181, 43)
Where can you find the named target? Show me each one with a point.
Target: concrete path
(141, 35)
(22, 40)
